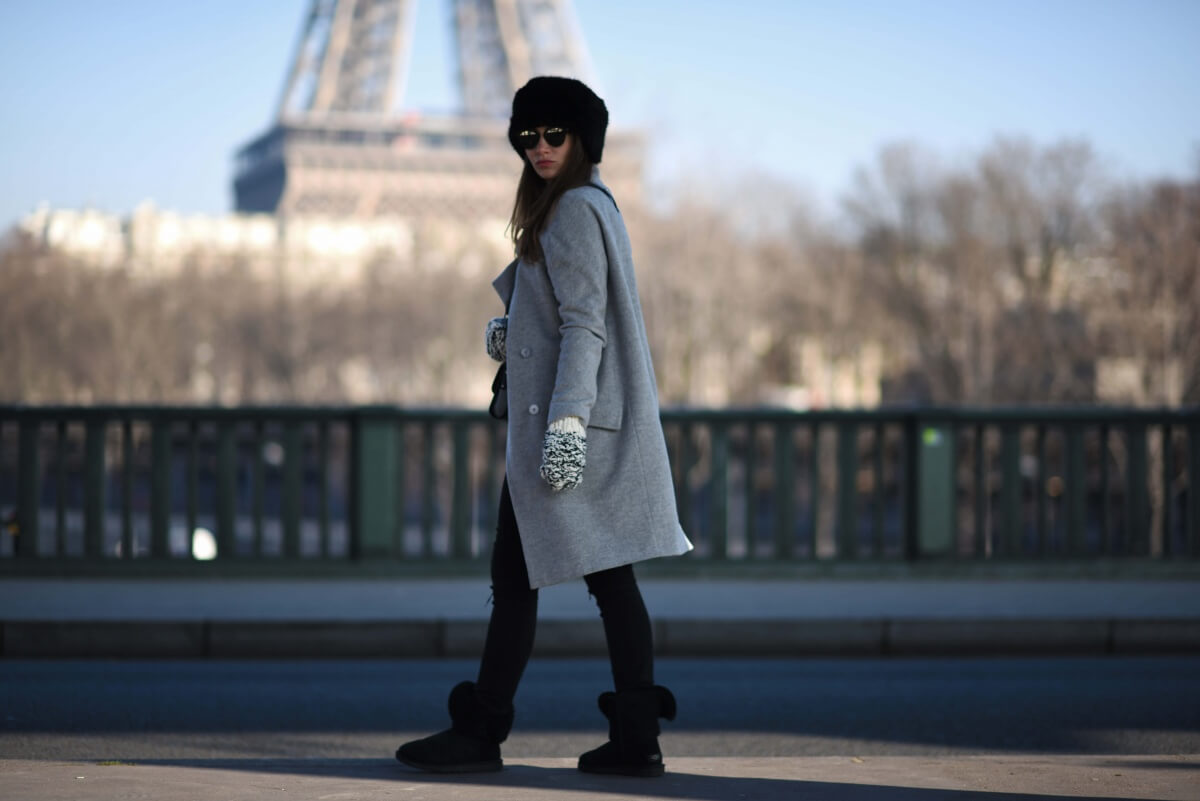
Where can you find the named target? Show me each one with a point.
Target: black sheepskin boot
(632, 747)
(470, 745)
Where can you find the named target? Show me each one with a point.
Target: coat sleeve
(577, 266)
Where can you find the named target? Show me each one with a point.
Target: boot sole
(488, 766)
(643, 771)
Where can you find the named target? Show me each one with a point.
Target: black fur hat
(560, 101)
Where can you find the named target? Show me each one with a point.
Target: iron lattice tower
(340, 146)
(349, 58)
(502, 44)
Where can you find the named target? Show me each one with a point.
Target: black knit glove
(564, 455)
(495, 337)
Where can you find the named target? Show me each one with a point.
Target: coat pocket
(606, 415)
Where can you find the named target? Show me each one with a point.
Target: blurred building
(344, 178)
(339, 147)
(297, 249)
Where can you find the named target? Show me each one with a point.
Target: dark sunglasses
(553, 136)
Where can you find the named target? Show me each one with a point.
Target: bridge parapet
(296, 490)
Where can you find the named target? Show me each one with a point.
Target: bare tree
(1022, 276)
(977, 271)
(1147, 307)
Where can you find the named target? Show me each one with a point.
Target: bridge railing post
(931, 492)
(375, 484)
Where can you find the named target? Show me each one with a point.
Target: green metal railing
(284, 489)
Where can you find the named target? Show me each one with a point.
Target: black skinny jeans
(514, 618)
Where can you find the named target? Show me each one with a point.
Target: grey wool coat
(576, 345)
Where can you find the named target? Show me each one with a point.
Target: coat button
(533, 409)
(525, 352)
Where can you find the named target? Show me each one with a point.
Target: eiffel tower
(339, 146)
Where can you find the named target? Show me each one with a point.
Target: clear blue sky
(109, 103)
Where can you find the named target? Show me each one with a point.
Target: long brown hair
(536, 198)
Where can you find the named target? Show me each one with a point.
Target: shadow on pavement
(1098, 706)
(674, 785)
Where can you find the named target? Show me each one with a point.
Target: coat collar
(504, 282)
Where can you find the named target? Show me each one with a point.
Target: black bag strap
(605, 191)
(498, 408)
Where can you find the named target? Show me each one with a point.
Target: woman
(588, 487)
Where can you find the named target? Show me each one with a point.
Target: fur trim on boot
(470, 745)
(632, 747)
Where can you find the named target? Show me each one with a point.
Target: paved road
(95, 710)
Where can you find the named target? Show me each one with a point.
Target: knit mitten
(564, 453)
(494, 338)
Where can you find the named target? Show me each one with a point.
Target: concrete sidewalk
(197, 618)
(981, 778)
